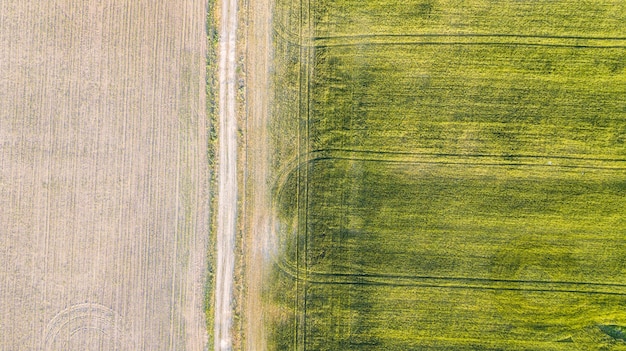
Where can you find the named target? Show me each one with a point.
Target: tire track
(311, 277)
(471, 39)
(76, 320)
(470, 35)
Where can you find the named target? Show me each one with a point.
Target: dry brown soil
(258, 224)
(103, 175)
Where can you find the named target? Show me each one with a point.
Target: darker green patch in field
(449, 220)
(617, 332)
(287, 196)
(425, 9)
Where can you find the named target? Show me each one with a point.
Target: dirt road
(227, 176)
(253, 41)
(103, 175)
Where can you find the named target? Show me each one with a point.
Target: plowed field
(103, 175)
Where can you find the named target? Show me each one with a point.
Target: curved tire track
(79, 318)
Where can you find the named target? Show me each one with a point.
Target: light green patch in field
(596, 18)
(458, 99)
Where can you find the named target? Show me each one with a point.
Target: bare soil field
(103, 175)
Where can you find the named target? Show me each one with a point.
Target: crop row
(600, 18)
(470, 99)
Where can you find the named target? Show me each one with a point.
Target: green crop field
(450, 175)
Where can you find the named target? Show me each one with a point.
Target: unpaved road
(226, 223)
(255, 216)
(103, 175)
